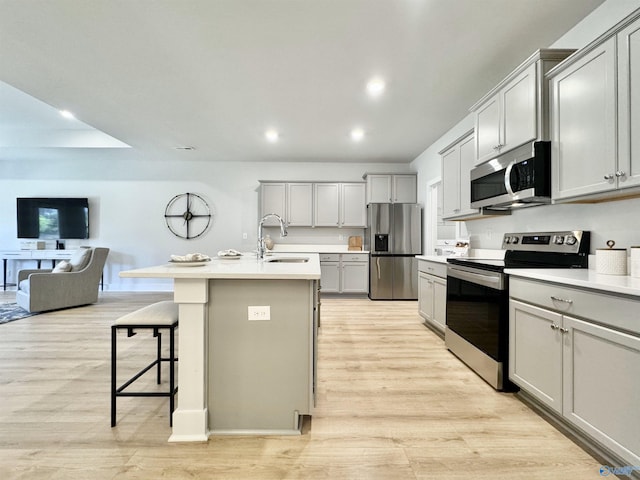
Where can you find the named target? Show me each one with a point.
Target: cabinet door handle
(620, 173)
(554, 326)
(563, 300)
(608, 177)
(564, 330)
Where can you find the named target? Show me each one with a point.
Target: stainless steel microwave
(518, 178)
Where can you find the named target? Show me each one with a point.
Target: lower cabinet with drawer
(432, 294)
(344, 272)
(575, 358)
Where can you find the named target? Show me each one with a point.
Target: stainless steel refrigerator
(394, 238)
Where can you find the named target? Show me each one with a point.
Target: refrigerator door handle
(378, 267)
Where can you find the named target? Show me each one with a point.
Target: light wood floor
(392, 404)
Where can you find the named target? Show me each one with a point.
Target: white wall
(610, 220)
(127, 204)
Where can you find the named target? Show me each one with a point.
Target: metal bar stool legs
(156, 317)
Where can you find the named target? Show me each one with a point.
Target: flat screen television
(53, 218)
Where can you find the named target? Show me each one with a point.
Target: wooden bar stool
(156, 317)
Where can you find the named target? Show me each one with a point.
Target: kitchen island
(247, 343)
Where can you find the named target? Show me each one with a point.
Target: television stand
(37, 255)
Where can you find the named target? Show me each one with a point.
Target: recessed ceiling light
(272, 135)
(67, 114)
(375, 87)
(357, 134)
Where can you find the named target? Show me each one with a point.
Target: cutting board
(355, 244)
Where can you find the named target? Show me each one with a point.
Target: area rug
(11, 311)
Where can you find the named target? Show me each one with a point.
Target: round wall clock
(187, 215)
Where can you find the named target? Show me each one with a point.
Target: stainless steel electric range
(477, 326)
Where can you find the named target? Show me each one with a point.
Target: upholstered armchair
(71, 283)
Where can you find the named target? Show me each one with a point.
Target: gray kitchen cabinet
(432, 294)
(322, 204)
(388, 188)
(507, 119)
(379, 189)
(354, 274)
(583, 127)
(327, 205)
(273, 199)
(404, 188)
(340, 205)
(594, 114)
(514, 112)
(344, 273)
(330, 273)
(629, 104)
(261, 373)
(353, 205)
(535, 352)
(457, 162)
(577, 351)
(292, 201)
(299, 204)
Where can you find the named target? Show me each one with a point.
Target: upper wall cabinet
(595, 118)
(305, 204)
(392, 188)
(327, 208)
(340, 205)
(457, 162)
(515, 111)
(273, 199)
(353, 207)
(300, 204)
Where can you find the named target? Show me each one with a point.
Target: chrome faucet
(283, 232)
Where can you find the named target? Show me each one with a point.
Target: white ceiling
(215, 74)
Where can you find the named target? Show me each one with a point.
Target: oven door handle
(492, 281)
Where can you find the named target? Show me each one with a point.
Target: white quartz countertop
(582, 277)
(302, 248)
(244, 267)
(433, 258)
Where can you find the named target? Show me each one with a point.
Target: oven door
(477, 309)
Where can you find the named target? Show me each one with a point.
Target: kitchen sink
(287, 259)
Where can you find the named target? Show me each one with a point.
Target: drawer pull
(563, 300)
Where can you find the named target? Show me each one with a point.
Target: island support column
(190, 416)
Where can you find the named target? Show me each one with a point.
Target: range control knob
(507, 239)
(558, 240)
(570, 240)
(514, 240)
